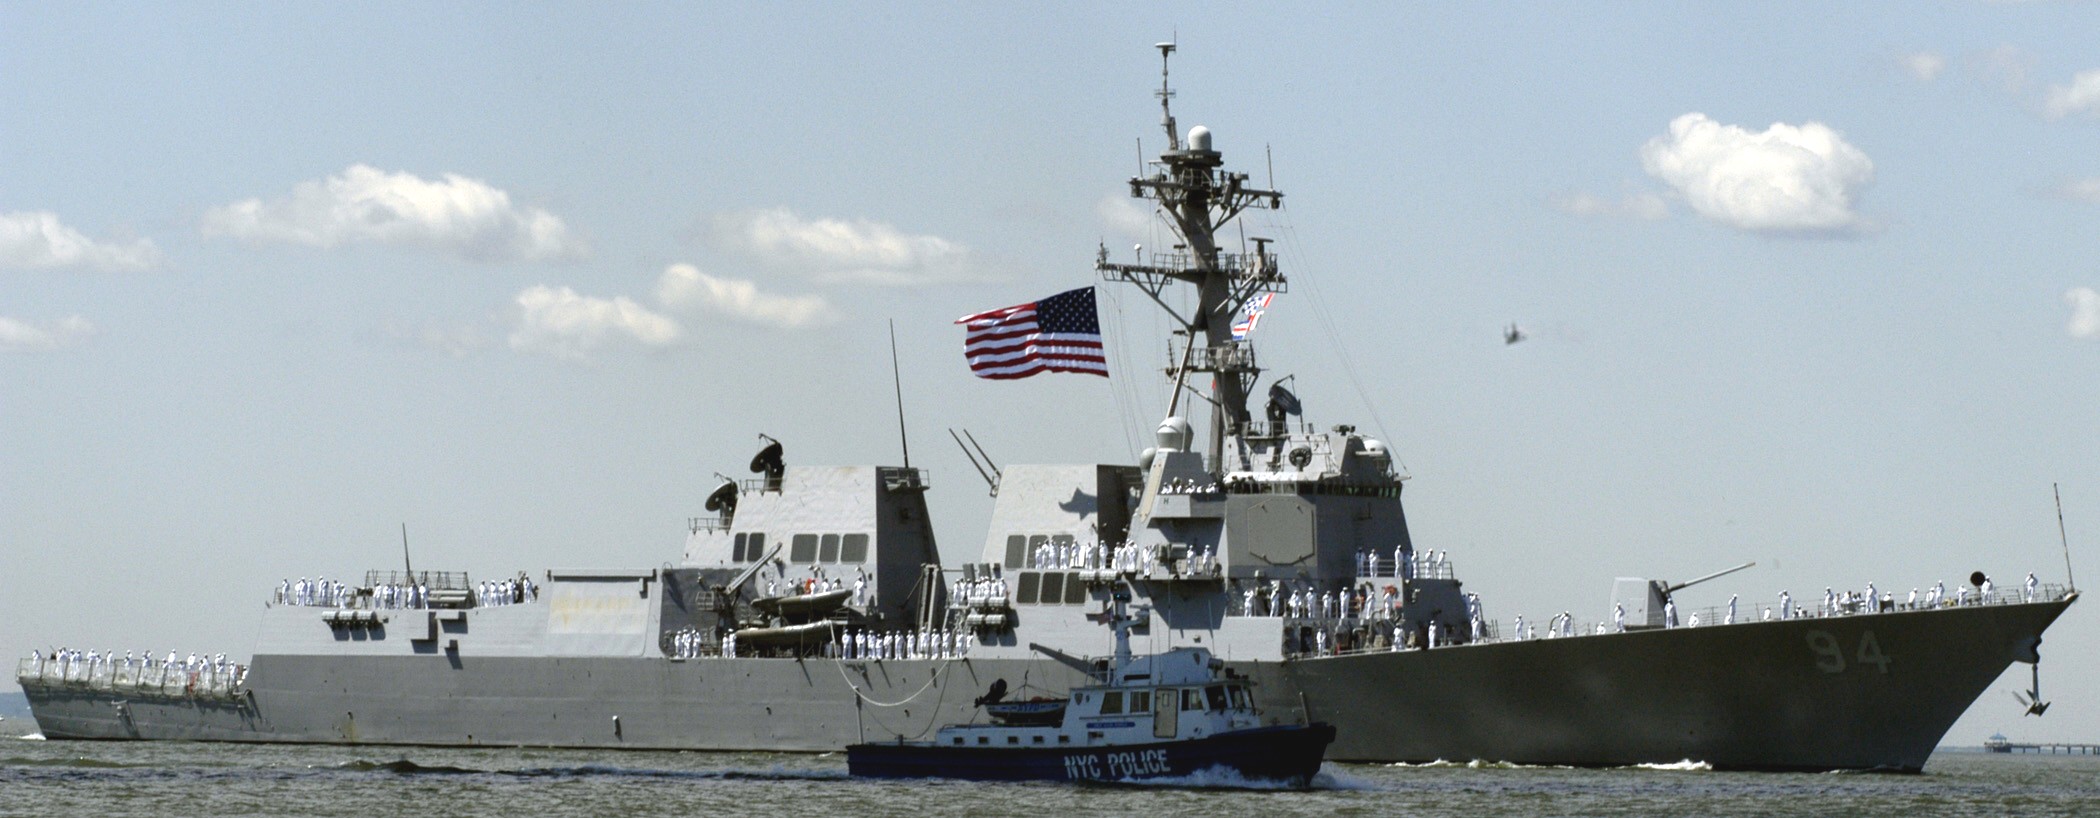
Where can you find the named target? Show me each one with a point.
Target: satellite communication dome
(1174, 434)
(1199, 138)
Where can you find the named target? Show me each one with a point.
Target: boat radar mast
(1197, 197)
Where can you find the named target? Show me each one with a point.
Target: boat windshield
(1215, 696)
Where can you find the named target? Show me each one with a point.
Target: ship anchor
(2033, 698)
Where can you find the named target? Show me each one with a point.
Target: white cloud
(1123, 216)
(2085, 312)
(37, 239)
(2080, 97)
(2007, 65)
(1923, 65)
(559, 322)
(363, 204)
(25, 336)
(1641, 206)
(683, 286)
(455, 341)
(2084, 190)
(858, 251)
(1786, 179)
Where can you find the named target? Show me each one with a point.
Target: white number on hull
(1830, 656)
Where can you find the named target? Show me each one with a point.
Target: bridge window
(1215, 696)
(1192, 699)
(1016, 550)
(756, 550)
(1075, 591)
(1026, 591)
(737, 551)
(803, 549)
(1140, 701)
(829, 550)
(855, 548)
(1112, 703)
(1053, 588)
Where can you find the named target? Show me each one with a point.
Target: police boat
(1164, 716)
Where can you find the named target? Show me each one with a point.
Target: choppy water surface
(160, 779)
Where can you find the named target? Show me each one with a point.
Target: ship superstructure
(812, 608)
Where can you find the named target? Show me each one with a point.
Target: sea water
(47, 778)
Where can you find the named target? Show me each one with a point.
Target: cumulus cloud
(858, 251)
(1786, 179)
(458, 215)
(1641, 206)
(26, 336)
(2079, 98)
(37, 239)
(683, 286)
(2085, 312)
(1923, 65)
(557, 321)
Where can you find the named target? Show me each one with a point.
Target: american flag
(1061, 333)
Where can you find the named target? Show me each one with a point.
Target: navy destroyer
(811, 609)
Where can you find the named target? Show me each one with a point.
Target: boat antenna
(407, 566)
(897, 378)
(988, 479)
(1166, 114)
(2062, 537)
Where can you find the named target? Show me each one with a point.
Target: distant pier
(2000, 744)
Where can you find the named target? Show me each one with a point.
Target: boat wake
(1222, 778)
(1686, 765)
(33, 737)
(406, 767)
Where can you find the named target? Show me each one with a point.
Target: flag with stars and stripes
(1060, 333)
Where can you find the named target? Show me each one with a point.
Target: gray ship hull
(1857, 692)
(1854, 692)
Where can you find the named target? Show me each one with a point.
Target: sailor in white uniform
(1786, 605)
(1731, 609)
(1618, 617)
(2031, 589)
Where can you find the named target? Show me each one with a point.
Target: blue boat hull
(1289, 754)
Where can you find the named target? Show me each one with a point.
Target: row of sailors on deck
(1430, 563)
(912, 644)
(395, 595)
(982, 591)
(848, 644)
(319, 592)
(70, 663)
(506, 591)
(1184, 485)
(1127, 558)
(1304, 602)
(1835, 603)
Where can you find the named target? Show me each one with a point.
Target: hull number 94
(1830, 653)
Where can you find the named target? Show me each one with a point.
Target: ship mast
(1197, 197)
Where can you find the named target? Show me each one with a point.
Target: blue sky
(1806, 285)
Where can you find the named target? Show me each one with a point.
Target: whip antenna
(2062, 537)
(897, 378)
